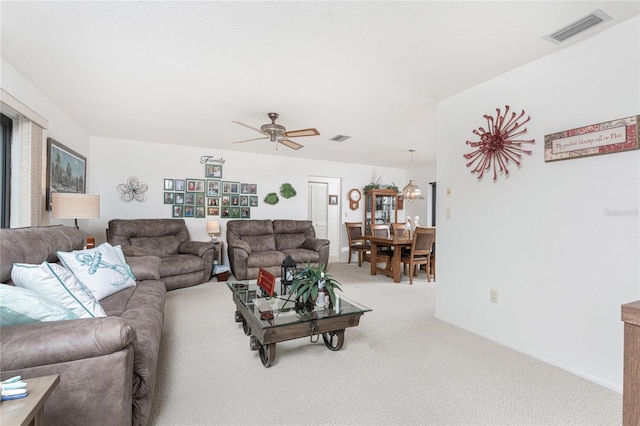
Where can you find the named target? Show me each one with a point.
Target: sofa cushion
(258, 234)
(180, 264)
(265, 258)
(21, 306)
(291, 234)
(102, 270)
(156, 237)
(58, 283)
(302, 255)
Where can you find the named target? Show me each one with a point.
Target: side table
(29, 410)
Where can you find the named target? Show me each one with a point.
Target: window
(5, 171)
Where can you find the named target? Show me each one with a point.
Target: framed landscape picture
(66, 170)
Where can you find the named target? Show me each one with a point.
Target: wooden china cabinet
(381, 206)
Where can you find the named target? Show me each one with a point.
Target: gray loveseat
(182, 262)
(255, 244)
(107, 365)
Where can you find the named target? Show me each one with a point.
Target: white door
(325, 216)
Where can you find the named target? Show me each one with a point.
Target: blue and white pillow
(102, 270)
(58, 283)
(21, 306)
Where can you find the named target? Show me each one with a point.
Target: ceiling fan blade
(246, 125)
(249, 140)
(290, 144)
(301, 132)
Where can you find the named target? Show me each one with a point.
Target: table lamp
(75, 206)
(213, 229)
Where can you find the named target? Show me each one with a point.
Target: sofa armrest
(37, 344)
(315, 244)
(197, 248)
(240, 245)
(144, 267)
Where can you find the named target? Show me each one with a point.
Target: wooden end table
(29, 410)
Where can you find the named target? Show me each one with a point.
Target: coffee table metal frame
(287, 324)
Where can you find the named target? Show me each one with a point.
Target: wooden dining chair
(357, 242)
(420, 253)
(399, 230)
(381, 230)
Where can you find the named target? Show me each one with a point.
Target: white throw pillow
(21, 306)
(102, 270)
(58, 283)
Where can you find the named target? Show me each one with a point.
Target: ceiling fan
(278, 133)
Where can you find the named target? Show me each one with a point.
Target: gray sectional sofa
(254, 244)
(107, 365)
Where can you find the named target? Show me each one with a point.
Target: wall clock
(354, 198)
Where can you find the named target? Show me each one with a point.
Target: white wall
(543, 236)
(113, 161)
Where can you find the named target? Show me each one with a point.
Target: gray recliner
(183, 262)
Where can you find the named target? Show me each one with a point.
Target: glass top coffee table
(269, 320)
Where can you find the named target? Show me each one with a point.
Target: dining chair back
(420, 253)
(399, 230)
(380, 230)
(357, 242)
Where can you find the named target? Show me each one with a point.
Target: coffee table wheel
(268, 354)
(246, 328)
(334, 339)
(238, 317)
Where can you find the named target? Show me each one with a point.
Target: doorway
(324, 216)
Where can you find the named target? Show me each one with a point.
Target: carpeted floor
(400, 366)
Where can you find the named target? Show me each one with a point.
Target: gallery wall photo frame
(333, 200)
(66, 170)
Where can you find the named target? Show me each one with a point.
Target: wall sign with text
(595, 139)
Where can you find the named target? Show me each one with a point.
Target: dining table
(392, 269)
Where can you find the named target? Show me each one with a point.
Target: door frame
(334, 185)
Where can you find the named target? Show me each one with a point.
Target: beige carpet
(400, 366)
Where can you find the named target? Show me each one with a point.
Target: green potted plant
(312, 280)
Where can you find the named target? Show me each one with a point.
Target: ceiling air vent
(578, 27)
(340, 138)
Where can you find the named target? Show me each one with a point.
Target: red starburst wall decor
(498, 144)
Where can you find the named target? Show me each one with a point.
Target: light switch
(447, 213)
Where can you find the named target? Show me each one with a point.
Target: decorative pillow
(102, 270)
(20, 306)
(58, 283)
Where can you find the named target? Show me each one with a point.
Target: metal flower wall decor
(133, 190)
(497, 145)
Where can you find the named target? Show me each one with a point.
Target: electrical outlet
(493, 295)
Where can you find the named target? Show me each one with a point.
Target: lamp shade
(75, 206)
(213, 227)
(412, 191)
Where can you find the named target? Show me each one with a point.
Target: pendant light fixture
(412, 191)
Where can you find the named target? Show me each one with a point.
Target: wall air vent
(340, 138)
(578, 27)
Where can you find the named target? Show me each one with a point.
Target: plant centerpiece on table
(312, 280)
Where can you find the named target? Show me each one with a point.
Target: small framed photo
(190, 198)
(189, 211)
(245, 212)
(177, 211)
(178, 198)
(179, 184)
(213, 211)
(195, 185)
(226, 212)
(168, 185)
(213, 188)
(200, 199)
(213, 171)
(253, 200)
(226, 201)
(213, 201)
(235, 200)
(200, 211)
(333, 200)
(253, 188)
(244, 188)
(235, 212)
(244, 200)
(169, 198)
(230, 187)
